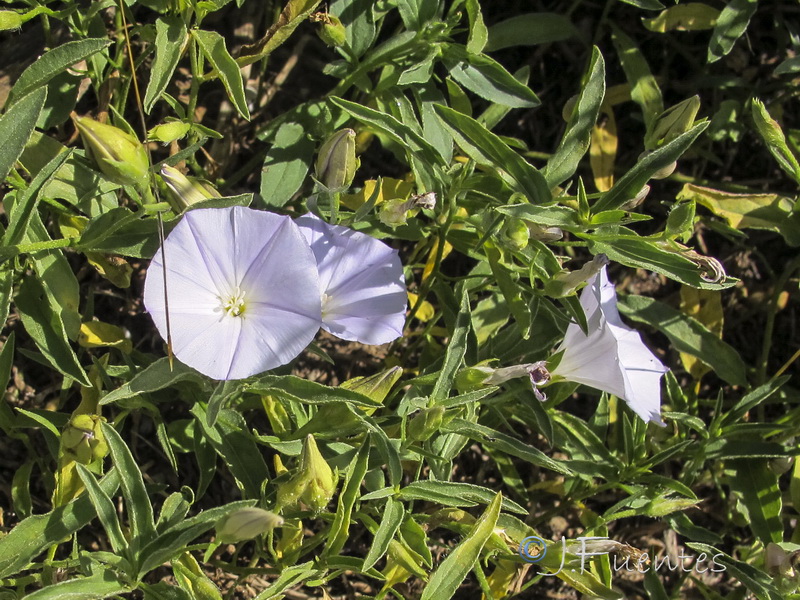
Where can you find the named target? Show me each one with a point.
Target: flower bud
(515, 233)
(673, 122)
(83, 439)
(119, 156)
(10, 19)
(331, 31)
(473, 378)
(394, 212)
(566, 282)
(425, 423)
(246, 524)
(185, 191)
(637, 199)
(316, 471)
(169, 132)
(337, 163)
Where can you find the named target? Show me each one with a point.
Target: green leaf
(487, 78)
(731, 24)
(630, 184)
(391, 517)
(101, 584)
(564, 162)
(453, 570)
(754, 579)
(170, 37)
(478, 34)
(687, 335)
(485, 148)
(213, 47)
(772, 134)
(451, 493)
(105, 510)
(221, 395)
(16, 127)
(338, 534)
(644, 89)
(25, 204)
(231, 439)
(173, 542)
(156, 376)
(501, 442)
(137, 502)
(32, 536)
(530, 29)
(690, 16)
(43, 322)
(641, 253)
(297, 389)
(512, 292)
(6, 286)
(53, 63)
(758, 487)
(286, 164)
(454, 355)
(645, 4)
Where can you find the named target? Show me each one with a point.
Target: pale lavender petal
(361, 281)
(612, 357)
(216, 254)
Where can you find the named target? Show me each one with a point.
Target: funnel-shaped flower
(612, 357)
(243, 291)
(361, 282)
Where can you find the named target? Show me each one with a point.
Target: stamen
(234, 305)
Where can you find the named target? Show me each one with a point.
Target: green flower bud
(393, 212)
(673, 122)
(185, 191)
(515, 233)
(10, 20)
(337, 163)
(246, 524)
(426, 423)
(119, 156)
(473, 378)
(332, 32)
(169, 132)
(83, 439)
(316, 471)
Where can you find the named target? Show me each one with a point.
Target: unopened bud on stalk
(119, 156)
(83, 439)
(480, 375)
(246, 524)
(185, 191)
(319, 475)
(515, 233)
(331, 30)
(337, 162)
(395, 212)
(672, 123)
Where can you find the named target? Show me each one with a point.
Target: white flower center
(325, 300)
(233, 304)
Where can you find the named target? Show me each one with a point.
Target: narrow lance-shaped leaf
(16, 127)
(213, 47)
(448, 576)
(170, 37)
(730, 26)
(563, 164)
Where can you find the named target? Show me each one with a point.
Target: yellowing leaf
(294, 13)
(96, 334)
(706, 307)
(502, 578)
(693, 16)
(748, 211)
(603, 150)
(426, 310)
(431, 263)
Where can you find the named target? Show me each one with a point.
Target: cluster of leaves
(422, 465)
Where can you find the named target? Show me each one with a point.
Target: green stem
(35, 247)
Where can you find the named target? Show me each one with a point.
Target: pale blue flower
(362, 286)
(612, 357)
(243, 291)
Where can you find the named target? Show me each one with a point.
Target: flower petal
(214, 254)
(612, 357)
(361, 280)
